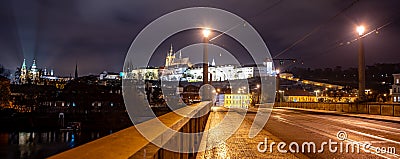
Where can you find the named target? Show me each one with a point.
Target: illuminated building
(296, 95)
(170, 58)
(396, 88)
(24, 73)
(181, 69)
(35, 75)
(236, 100)
(32, 74)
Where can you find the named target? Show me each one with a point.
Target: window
(397, 81)
(394, 99)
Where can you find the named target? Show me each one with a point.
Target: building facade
(396, 88)
(36, 75)
(236, 100)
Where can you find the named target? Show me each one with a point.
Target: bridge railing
(388, 109)
(129, 143)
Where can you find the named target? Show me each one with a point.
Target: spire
(171, 51)
(34, 64)
(24, 64)
(180, 54)
(213, 62)
(76, 70)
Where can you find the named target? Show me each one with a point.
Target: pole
(205, 61)
(277, 87)
(361, 71)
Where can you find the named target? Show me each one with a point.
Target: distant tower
(23, 76)
(170, 57)
(213, 62)
(45, 72)
(34, 73)
(33, 64)
(76, 71)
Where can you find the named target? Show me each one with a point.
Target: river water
(41, 144)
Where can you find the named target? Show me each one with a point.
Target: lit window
(394, 99)
(397, 81)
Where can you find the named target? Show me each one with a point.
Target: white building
(180, 69)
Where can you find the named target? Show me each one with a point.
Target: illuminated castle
(171, 59)
(33, 74)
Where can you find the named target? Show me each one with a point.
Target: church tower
(170, 57)
(24, 73)
(76, 71)
(34, 73)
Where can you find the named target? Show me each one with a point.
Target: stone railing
(129, 143)
(364, 108)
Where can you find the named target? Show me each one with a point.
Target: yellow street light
(360, 30)
(206, 32)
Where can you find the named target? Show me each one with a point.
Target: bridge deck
(239, 145)
(128, 142)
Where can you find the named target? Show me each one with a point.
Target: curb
(341, 114)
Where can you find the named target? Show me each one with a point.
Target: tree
(4, 91)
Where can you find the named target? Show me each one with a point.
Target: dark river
(41, 144)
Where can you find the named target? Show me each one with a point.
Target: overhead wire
(351, 41)
(316, 29)
(244, 22)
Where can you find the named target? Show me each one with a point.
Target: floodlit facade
(33, 74)
(237, 100)
(180, 69)
(396, 88)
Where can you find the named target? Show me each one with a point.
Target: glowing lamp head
(206, 32)
(360, 30)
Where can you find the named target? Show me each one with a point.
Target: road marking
(324, 133)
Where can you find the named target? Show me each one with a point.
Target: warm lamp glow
(360, 30)
(206, 32)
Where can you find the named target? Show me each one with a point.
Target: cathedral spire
(171, 51)
(34, 64)
(24, 64)
(76, 70)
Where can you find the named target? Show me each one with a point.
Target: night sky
(97, 34)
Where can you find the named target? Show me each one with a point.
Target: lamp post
(258, 93)
(206, 33)
(282, 95)
(316, 95)
(277, 86)
(361, 65)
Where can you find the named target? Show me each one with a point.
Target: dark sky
(97, 33)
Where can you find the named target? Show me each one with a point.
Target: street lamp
(360, 30)
(206, 32)
(361, 64)
(316, 95)
(282, 95)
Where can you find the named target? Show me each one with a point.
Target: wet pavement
(238, 145)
